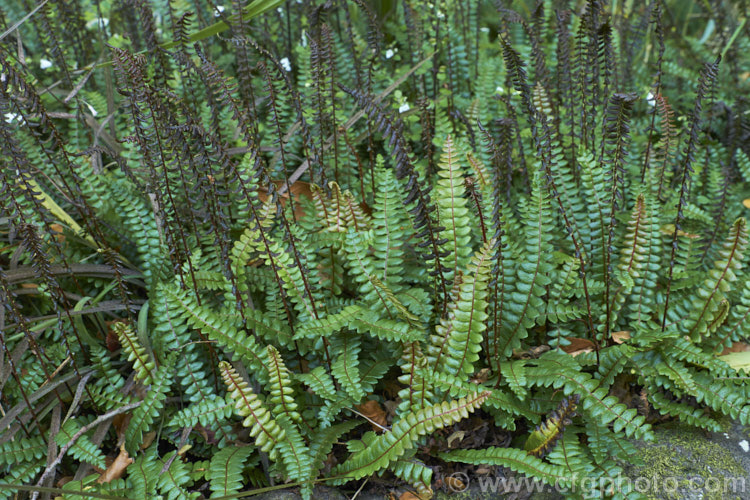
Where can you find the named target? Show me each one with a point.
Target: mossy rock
(683, 463)
(689, 463)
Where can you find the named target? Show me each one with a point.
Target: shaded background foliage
(532, 210)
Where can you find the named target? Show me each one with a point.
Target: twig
(23, 20)
(77, 435)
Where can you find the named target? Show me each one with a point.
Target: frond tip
(263, 426)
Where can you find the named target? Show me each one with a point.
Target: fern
(225, 470)
(419, 208)
(387, 447)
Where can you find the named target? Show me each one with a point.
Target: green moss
(685, 464)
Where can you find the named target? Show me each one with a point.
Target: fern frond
(263, 427)
(225, 470)
(543, 438)
(560, 370)
(453, 212)
(281, 391)
(388, 447)
(514, 459)
(466, 320)
(152, 406)
(143, 364)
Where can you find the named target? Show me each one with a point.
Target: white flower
(650, 100)
(440, 14)
(286, 64)
(45, 63)
(280, 10)
(499, 89)
(404, 108)
(91, 109)
(744, 445)
(389, 53)
(219, 10)
(9, 117)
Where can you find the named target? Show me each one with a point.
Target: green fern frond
(143, 364)
(543, 438)
(388, 447)
(707, 305)
(144, 416)
(525, 304)
(453, 212)
(263, 427)
(560, 370)
(22, 450)
(514, 459)
(466, 320)
(84, 449)
(281, 391)
(225, 470)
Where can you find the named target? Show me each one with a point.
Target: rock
(319, 493)
(683, 463)
(689, 463)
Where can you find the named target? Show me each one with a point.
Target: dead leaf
(111, 340)
(120, 424)
(620, 337)
(746, 203)
(58, 230)
(736, 347)
(148, 438)
(116, 468)
(481, 376)
(454, 484)
(669, 230)
(738, 360)
(298, 189)
(578, 346)
(408, 495)
(63, 481)
(458, 435)
(372, 410)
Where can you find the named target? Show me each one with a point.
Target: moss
(683, 463)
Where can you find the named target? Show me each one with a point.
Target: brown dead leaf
(408, 495)
(736, 347)
(481, 376)
(58, 230)
(148, 438)
(116, 468)
(620, 337)
(120, 424)
(578, 346)
(111, 340)
(63, 481)
(454, 484)
(456, 436)
(298, 189)
(372, 410)
(669, 230)
(531, 353)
